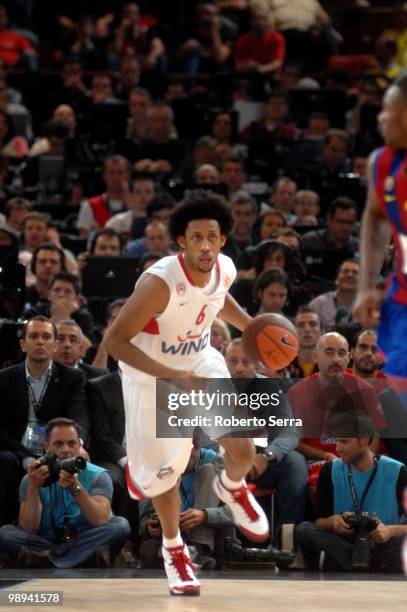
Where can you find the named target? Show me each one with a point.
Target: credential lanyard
(356, 505)
(37, 404)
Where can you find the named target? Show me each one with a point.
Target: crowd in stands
(109, 113)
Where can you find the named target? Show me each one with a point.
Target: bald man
(331, 389)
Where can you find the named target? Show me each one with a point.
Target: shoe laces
(241, 496)
(180, 562)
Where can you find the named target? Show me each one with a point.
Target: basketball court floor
(246, 591)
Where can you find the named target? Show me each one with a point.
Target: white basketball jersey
(180, 336)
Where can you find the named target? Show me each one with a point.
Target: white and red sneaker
(180, 571)
(248, 514)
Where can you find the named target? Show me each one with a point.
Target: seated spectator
(233, 175)
(108, 436)
(203, 152)
(97, 210)
(76, 147)
(14, 96)
(131, 223)
(206, 174)
(270, 223)
(288, 236)
(15, 211)
(267, 254)
(208, 49)
(84, 42)
(97, 355)
(366, 358)
(48, 260)
(162, 152)
(358, 481)
(270, 139)
(337, 239)
(271, 292)
(321, 172)
(277, 464)
(156, 240)
(33, 392)
(261, 50)
(68, 522)
(244, 211)
(306, 208)
(282, 197)
(20, 118)
(134, 37)
(56, 133)
(200, 516)
(16, 50)
(336, 306)
(70, 348)
(307, 31)
(35, 232)
(309, 330)
(103, 243)
(71, 88)
(137, 126)
(128, 78)
(332, 389)
(64, 303)
(220, 335)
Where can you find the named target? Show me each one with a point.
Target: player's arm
(149, 299)
(233, 313)
(375, 236)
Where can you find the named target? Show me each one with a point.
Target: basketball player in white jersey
(163, 331)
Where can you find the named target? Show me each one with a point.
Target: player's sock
(172, 542)
(228, 483)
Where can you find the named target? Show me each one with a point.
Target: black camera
(64, 538)
(72, 465)
(235, 552)
(362, 524)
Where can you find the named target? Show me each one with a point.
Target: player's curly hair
(201, 204)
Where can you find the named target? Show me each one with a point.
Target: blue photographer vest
(382, 495)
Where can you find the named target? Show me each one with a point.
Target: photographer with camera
(65, 514)
(360, 523)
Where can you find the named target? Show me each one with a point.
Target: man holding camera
(358, 505)
(65, 514)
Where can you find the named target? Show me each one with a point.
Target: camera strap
(358, 506)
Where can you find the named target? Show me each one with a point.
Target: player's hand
(340, 526)
(259, 466)
(367, 308)
(192, 518)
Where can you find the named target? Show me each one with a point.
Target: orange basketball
(271, 339)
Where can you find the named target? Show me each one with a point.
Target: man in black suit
(108, 443)
(32, 393)
(70, 349)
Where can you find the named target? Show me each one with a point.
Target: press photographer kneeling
(65, 514)
(359, 505)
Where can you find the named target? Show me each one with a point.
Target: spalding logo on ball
(271, 339)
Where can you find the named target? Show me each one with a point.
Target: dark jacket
(107, 417)
(91, 371)
(65, 397)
